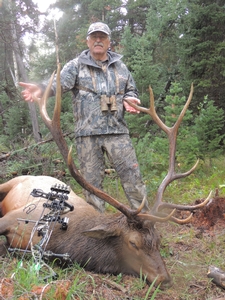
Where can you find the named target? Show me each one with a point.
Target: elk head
(136, 219)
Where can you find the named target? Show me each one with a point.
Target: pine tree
(202, 50)
(209, 129)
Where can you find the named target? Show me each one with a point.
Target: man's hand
(129, 108)
(30, 92)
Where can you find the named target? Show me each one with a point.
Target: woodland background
(165, 44)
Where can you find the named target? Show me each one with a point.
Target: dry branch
(9, 154)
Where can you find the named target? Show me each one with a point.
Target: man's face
(98, 42)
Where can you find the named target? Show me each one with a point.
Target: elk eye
(133, 245)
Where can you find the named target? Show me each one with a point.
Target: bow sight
(56, 204)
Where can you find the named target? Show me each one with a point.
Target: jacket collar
(85, 58)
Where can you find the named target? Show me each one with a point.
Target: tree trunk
(23, 77)
(31, 105)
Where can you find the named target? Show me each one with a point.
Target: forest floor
(188, 251)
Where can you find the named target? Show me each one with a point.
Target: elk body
(126, 242)
(100, 242)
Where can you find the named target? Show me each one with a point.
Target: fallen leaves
(6, 288)
(60, 290)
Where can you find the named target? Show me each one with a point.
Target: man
(99, 82)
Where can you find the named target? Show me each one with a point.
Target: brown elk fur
(104, 243)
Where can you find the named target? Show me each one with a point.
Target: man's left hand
(129, 108)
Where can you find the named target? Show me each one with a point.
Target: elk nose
(165, 283)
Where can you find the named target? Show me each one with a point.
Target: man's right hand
(31, 91)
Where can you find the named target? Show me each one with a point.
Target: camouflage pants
(121, 154)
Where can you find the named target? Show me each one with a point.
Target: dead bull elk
(125, 243)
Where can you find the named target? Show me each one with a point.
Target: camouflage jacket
(92, 82)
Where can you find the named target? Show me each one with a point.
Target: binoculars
(108, 103)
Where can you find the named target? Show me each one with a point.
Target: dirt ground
(207, 238)
(188, 250)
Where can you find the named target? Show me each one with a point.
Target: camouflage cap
(99, 26)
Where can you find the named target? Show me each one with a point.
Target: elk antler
(171, 175)
(55, 129)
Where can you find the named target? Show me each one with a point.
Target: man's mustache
(98, 44)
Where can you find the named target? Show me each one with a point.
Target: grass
(187, 259)
(72, 283)
(182, 191)
(189, 262)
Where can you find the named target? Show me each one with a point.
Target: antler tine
(170, 177)
(177, 124)
(154, 218)
(139, 209)
(55, 129)
(57, 108)
(42, 102)
(187, 207)
(54, 124)
(151, 111)
(162, 217)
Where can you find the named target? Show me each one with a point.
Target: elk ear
(102, 231)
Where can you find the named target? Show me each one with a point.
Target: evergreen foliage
(166, 45)
(17, 119)
(156, 158)
(202, 50)
(209, 129)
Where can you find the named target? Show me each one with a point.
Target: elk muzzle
(160, 275)
(164, 282)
